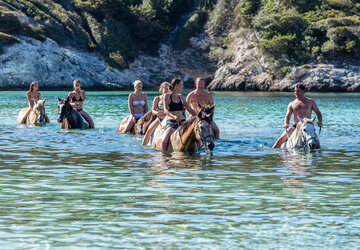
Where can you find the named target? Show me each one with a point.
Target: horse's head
(64, 109)
(204, 132)
(143, 123)
(39, 111)
(308, 132)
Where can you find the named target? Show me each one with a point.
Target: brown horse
(191, 135)
(36, 116)
(140, 126)
(69, 117)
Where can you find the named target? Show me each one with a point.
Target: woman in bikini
(77, 97)
(174, 107)
(158, 110)
(138, 106)
(32, 95)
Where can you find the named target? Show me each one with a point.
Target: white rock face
(55, 67)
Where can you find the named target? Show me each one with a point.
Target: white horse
(303, 136)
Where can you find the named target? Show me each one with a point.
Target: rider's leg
(87, 118)
(129, 125)
(23, 121)
(283, 138)
(166, 138)
(46, 118)
(150, 131)
(215, 129)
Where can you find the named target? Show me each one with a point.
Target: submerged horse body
(191, 135)
(304, 135)
(36, 116)
(68, 117)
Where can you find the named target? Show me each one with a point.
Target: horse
(68, 117)
(36, 116)
(304, 135)
(141, 125)
(144, 122)
(191, 135)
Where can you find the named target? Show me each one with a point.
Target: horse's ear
(301, 120)
(199, 105)
(59, 99)
(35, 101)
(44, 100)
(313, 119)
(212, 107)
(68, 99)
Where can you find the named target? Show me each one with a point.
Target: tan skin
(204, 97)
(137, 95)
(302, 106)
(33, 96)
(174, 115)
(80, 93)
(159, 113)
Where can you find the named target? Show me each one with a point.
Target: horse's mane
(298, 126)
(183, 127)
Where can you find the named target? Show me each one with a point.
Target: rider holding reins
(302, 106)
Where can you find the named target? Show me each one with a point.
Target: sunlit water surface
(101, 189)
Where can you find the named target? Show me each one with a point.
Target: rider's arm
(130, 105)
(82, 95)
(211, 100)
(31, 103)
(318, 113)
(289, 112)
(155, 105)
(188, 100)
(187, 106)
(146, 104)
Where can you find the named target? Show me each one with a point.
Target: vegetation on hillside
(296, 32)
(118, 29)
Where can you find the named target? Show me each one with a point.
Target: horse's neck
(72, 120)
(188, 138)
(296, 138)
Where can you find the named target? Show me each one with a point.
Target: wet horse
(304, 135)
(36, 116)
(144, 122)
(191, 135)
(69, 117)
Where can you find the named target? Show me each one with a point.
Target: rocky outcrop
(246, 69)
(55, 67)
(321, 77)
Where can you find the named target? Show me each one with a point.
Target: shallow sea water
(99, 189)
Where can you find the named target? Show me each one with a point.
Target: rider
(204, 97)
(138, 105)
(174, 107)
(302, 106)
(77, 97)
(33, 95)
(158, 110)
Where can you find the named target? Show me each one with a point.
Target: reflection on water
(100, 189)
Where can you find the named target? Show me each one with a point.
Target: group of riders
(170, 108)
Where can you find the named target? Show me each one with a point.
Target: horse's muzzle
(311, 144)
(60, 119)
(210, 145)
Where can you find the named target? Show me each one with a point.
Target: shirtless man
(302, 107)
(204, 97)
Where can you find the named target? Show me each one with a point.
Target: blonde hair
(163, 86)
(76, 80)
(137, 82)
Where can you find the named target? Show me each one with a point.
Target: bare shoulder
(191, 94)
(207, 92)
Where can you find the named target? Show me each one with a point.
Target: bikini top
(135, 103)
(160, 105)
(75, 100)
(176, 106)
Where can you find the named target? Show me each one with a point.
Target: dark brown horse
(191, 135)
(68, 117)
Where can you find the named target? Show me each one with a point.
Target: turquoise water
(99, 189)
